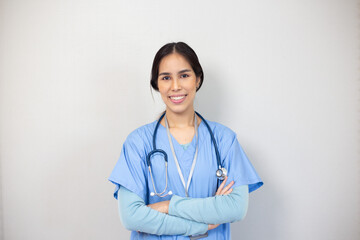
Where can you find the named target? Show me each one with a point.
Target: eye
(165, 78)
(184, 75)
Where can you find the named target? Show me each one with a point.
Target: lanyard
(186, 187)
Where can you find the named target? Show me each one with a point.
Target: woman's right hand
(212, 226)
(222, 191)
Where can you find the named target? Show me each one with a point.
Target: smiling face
(177, 83)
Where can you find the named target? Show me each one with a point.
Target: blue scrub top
(131, 170)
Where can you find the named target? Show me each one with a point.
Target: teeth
(177, 98)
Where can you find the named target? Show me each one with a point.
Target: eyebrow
(182, 71)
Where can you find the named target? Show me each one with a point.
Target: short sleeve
(240, 168)
(130, 169)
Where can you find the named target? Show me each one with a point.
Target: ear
(197, 82)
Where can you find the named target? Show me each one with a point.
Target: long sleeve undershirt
(187, 216)
(212, 210)
(136, 216)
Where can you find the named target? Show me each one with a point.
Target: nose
(175, 85)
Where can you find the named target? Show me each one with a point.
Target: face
(177, 83)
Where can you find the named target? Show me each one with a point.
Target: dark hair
(176, 47)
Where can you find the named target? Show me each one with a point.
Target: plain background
(284, 75)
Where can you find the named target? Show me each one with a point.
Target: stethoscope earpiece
(159, 195)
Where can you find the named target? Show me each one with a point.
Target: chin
(177, 109)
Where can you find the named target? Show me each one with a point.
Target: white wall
(75, 81)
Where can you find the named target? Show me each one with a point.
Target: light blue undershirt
(187, 216)
(136, 216)
(185, 146)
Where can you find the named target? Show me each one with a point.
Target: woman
(185, 198)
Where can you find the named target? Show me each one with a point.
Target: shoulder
(142, 132)
(221, 132)
(224, 136)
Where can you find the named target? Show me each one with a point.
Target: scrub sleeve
(130, 169)
(240, 170)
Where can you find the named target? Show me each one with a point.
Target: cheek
(191, 87)
(163, 93)
(161, 88)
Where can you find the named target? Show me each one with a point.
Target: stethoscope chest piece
(221, 173)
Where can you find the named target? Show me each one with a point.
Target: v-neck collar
(177, 146)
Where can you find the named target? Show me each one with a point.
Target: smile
(177, 98)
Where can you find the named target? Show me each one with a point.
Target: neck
(180, 120)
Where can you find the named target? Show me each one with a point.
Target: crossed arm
(136, 216)
(183, 216)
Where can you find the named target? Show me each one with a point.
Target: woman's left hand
(224, 190)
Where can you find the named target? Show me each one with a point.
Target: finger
(228, 192)
(225, 189)
(221, 186)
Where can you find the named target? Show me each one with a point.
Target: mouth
(177, 98)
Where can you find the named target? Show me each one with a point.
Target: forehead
(173, 63)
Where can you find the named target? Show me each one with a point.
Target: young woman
(181, 176)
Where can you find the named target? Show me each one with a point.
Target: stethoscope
(220, 172)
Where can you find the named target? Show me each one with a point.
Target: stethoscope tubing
(155, 150)
(207, 126)
(155, 131)
(212, 140)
